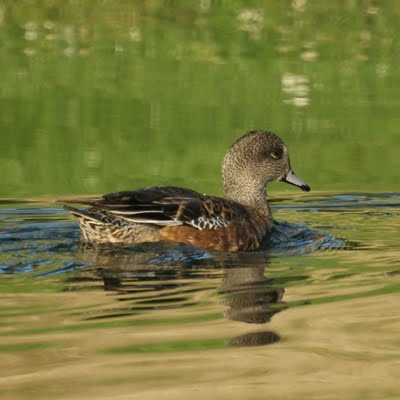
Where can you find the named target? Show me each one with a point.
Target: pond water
(314, 312)
(104, 96)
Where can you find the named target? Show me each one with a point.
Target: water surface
(315, 305)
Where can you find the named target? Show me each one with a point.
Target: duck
(241, 220)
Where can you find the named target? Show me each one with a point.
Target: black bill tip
(296, 181)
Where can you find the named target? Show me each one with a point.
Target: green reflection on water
(104, 96)
(22, 285)
(165, 347)
(116, 324)
(16, 347)
(389, 289)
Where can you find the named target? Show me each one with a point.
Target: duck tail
(83, 214)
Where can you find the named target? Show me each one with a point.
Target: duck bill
(296, 181)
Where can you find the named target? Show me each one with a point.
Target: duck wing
(167, 206)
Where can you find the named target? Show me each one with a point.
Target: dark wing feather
(167, 206)
(148, 195)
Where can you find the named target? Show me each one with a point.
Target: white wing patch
(135, 212)
(208, 223)
(131, 217)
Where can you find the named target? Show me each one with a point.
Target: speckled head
(254, 160)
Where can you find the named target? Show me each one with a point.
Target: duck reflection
(164, 277)
(250, 298)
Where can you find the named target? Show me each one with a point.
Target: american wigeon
(240, 220)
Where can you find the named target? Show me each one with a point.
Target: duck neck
(248, 192)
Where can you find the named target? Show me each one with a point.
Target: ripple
(38, 239)
(294, 239)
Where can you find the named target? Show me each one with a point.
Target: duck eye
(276, 155)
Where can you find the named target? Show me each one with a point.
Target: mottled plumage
(239, 221)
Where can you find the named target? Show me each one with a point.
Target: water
(142, 94)
(105, 96)
(313, 306)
